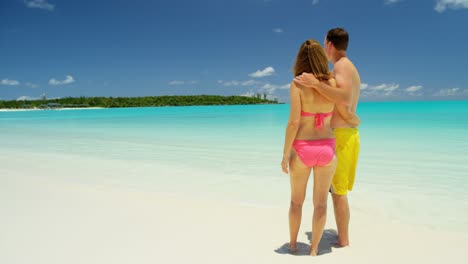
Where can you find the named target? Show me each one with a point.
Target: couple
(322, 134)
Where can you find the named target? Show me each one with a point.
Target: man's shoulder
(344, 63)
(344, 66)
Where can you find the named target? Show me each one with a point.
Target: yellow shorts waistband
(347, 130)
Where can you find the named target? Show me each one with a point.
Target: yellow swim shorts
(347, 152)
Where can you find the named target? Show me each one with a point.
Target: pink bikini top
(319, 118)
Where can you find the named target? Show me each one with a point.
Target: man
(346, 93)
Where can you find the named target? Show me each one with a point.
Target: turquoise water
(412, 168)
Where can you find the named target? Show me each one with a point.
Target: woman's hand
(285, 164)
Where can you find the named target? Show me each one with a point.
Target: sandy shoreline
(38, 109)
(52, 217)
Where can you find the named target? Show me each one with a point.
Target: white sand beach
(18, 110)
(38, 109)
(53, 213)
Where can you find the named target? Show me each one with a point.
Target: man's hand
(306, 80)
(354, 121)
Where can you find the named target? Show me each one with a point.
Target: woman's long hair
(311, 58)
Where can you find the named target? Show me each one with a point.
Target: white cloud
(391, 2)
(389, 89)
(32, 85)
(272, 97)
(272, 91)
(272, 87)
(231, 83)
(262, 73)
(248, 94)
(249, 83)
(385, 89)
(9, 82)
(69, 79)
(413, 88)
(25, 97)
(314, 2)
(451, 92)
(176, 82)
(278, 30)
(257, 84)
(42, 4)
(239, 83)
(269, 96)
(443, 5)
(268, 86)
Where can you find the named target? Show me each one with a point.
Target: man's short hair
(339, 38)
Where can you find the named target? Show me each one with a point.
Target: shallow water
(412, 167)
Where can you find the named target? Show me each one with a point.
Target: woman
(309, 143)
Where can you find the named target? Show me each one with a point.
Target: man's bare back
(337, 120)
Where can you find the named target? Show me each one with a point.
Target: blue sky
(404, 49)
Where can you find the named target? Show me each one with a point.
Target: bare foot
(293, 248)
(343, 243)
(313, 252)
(339, 245)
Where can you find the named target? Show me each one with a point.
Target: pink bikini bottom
(315, 152)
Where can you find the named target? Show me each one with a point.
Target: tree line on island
(109, 102)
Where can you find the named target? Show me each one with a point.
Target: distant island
(147, 101)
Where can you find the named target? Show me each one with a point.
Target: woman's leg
(299, 174)
(322, 181)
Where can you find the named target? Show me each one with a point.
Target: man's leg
(347, 151)
(342, 217)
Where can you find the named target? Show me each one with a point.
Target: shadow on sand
(329, 240)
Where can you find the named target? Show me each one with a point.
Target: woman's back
(315, 115)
